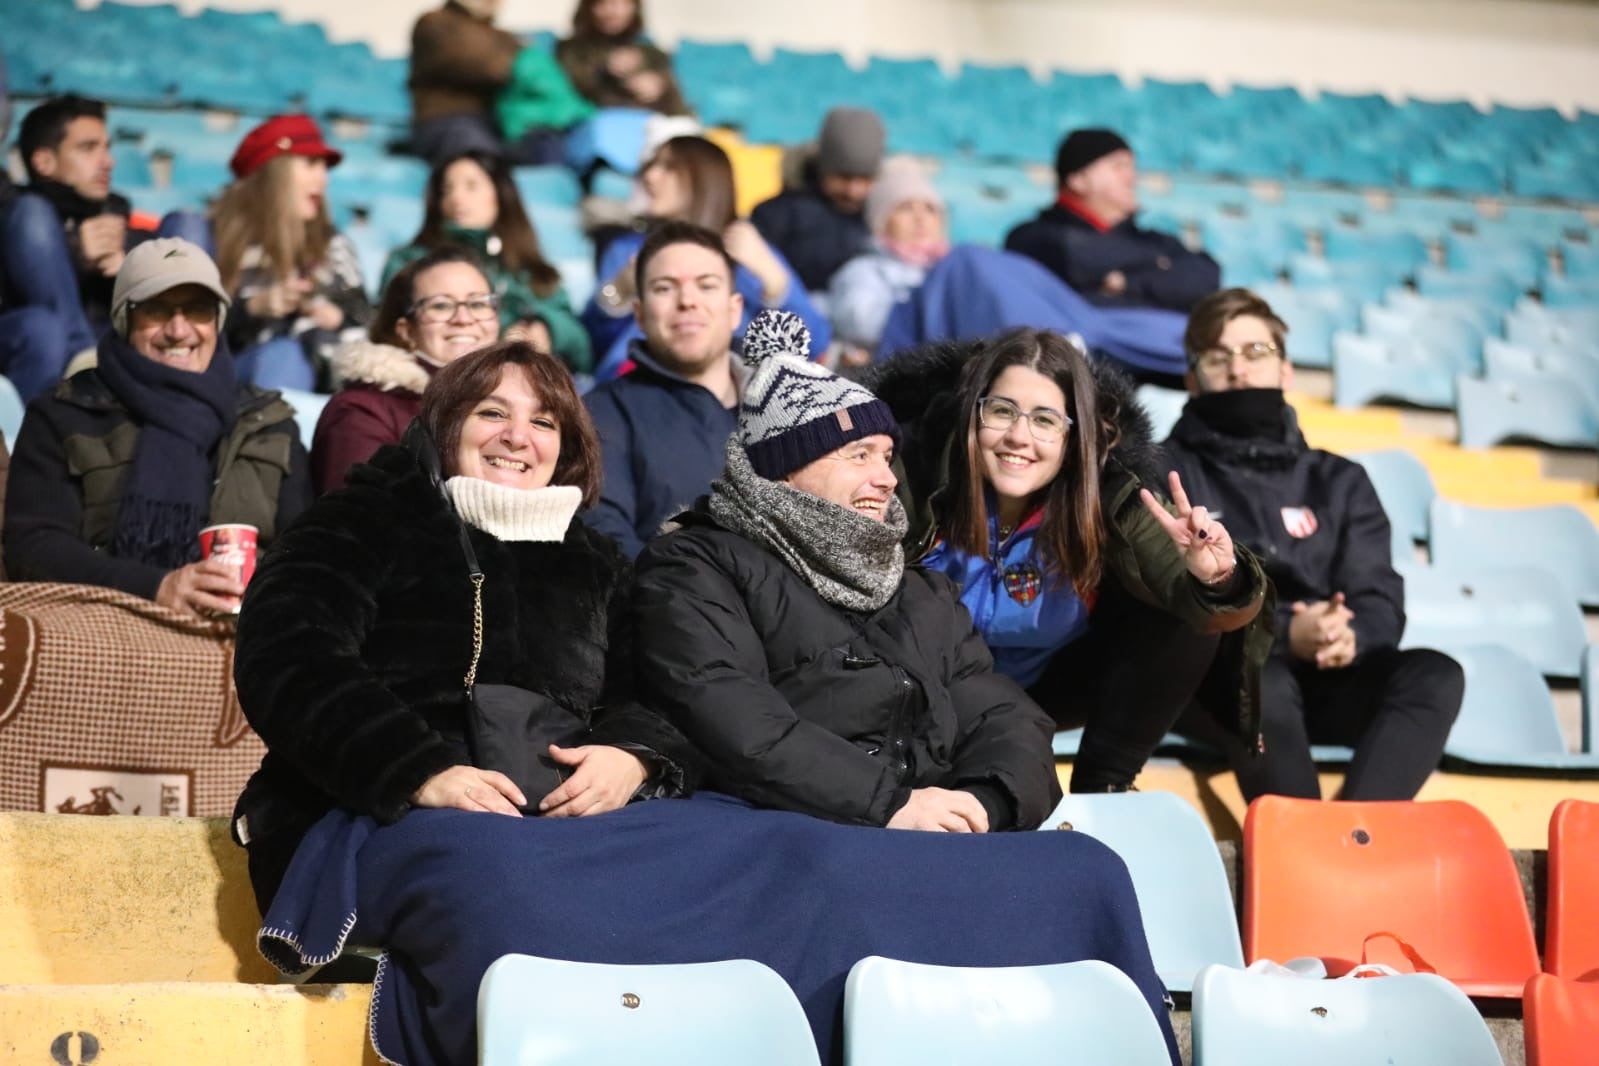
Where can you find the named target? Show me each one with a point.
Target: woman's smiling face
(509, 438)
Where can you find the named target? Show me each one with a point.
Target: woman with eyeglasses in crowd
(1031, 480)
(434, 310)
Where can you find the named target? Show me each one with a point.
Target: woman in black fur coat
(356, 634)
(1028, 478)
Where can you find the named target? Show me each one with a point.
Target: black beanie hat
(1082, 147)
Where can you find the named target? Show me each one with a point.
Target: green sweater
(518, 301)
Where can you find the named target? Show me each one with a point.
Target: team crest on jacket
(1022, 582)
(1299, 521)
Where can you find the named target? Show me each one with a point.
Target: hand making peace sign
(1205, 544)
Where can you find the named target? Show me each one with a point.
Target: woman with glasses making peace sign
(435, 309)
(1028, 478)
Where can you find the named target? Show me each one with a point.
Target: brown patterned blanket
(110, 704)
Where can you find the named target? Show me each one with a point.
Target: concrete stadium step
(109, 900)
(161, 1023)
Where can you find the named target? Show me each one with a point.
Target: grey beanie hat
(157, 265)
(795, 411)
(851, 142)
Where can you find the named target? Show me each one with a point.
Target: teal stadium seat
(1491, 412)
(1406, 491)
(1366, 369)
(1266, 1019)
(1182, 888)
(1508, 720)
(547, 1012)
(1559, 537)
(1523, 608)
(307, 410)
(912, 1014)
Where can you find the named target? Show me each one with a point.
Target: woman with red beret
(295, 280)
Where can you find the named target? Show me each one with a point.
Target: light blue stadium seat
(130, 167)
(1512, 363)
(1532, 325)
(1561, 292)
(1177, 873)
(546, 1012)
(1498, 291)
(1468, 177)
(552, 185)
(912, 1014)
(1371, 368)
(1508, 718)
(1265, 1019)
(1484, 318)
(1521, 260)
(1363, 280)
(1526, 609)
(1353, 243)
(1495, 411)
(614, 136)
(1581, 260)
(1406, 491)
(1418, 324)
(307, 409)
(11, 411)
(1361, 169)
(200, 175)
(1164, 406)
(1560, 538)
(577, 276)
(1557, 182)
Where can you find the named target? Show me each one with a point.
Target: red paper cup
(232, 543)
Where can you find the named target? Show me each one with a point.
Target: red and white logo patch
(1299, 521)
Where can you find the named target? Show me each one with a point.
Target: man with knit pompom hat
(1088, 238)
(780, 630)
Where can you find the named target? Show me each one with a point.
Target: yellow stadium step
(1496, 492)
(160, 1024)
(1316, 415)
(108, 900)
(1519, 807)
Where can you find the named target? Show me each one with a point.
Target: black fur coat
(356, 633)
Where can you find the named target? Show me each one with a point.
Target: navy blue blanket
(977, 292)
(445, 893)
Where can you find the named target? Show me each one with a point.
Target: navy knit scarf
(181, 416)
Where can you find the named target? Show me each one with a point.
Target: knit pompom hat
(795, 411)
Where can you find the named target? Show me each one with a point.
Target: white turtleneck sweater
(515, 514)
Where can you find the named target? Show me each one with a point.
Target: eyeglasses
(1219, 359)
(200, 311)
(442, 308)
(1046, 423)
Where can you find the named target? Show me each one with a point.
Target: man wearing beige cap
(118, 468)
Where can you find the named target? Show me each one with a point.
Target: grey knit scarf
(852, 561)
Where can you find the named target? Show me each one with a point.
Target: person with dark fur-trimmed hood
(1028, 477)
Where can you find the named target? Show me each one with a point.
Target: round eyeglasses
(1045, 423)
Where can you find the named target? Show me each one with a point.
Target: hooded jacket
(922, 388)
(1312, 517)
(382, 392)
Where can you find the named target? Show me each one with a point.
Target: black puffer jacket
(922, 387)
(357, 630)
(804, 706)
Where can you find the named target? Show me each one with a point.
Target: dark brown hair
(666, 234)
(462, 384)
(1072, 536)
(708, 173)
(1210, 316)
(583, 21)
(519, 241)
(46, 125)
(400, 296)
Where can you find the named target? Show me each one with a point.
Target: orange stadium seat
(1325, 879)
(1571, 946)
(1561, 1019)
